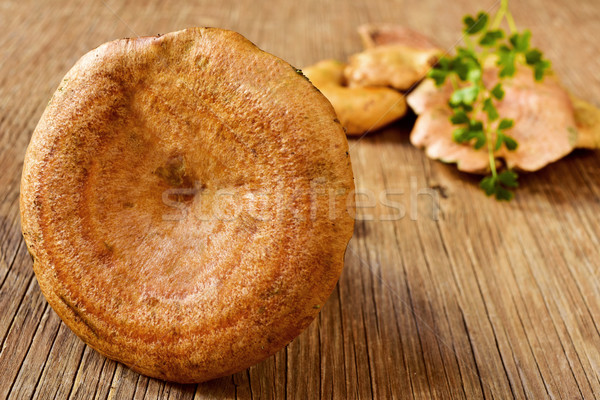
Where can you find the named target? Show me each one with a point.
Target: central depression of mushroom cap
(185, 198)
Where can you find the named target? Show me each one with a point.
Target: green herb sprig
(484, 38)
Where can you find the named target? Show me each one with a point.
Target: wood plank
(23, 325)
(31, 369)
(88, 375)
(60, 370)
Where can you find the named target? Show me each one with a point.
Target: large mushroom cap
(184, 198)
(544, 123)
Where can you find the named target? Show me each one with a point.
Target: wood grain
(488, 300)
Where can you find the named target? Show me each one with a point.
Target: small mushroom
(359, 109)
(373, 35)
(395, 56)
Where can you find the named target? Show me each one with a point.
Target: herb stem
(486, 127)
(499, 16)
(490, 147)
(511, 22)
(469, 43)
(454, 82)
(503, 12)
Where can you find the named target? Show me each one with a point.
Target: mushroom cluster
(368, 93)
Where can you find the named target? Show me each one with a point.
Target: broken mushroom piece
(587, 117)
(359, 109)
(545, 125)
(396, 66)
(373, 35)
(395, 56)
(172, 202)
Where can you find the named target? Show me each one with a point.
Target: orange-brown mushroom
(395, 56)
(373, 35)
(359, 109)
(184, 198)
(545, 128)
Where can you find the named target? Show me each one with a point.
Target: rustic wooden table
(489, 300)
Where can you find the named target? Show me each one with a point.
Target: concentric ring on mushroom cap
(185, 199)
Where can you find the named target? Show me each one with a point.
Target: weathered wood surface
(488, 301)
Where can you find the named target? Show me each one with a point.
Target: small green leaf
(533, 56)
(488, 184)
(459, 117)
(474, 74)
(480, 141)
(490, 38)
(506, 123)
(475, 25)
(501, 138)
(510, 143)
(440, 71)
(503, 194)
(466, 107)
(499, 141)
(466, 65)
(506, 61)
(472, 131)
(463, 52)
(497, 91)
(508, 178)
(494, 185)
(475, 125)
(438, 76)
(465, 96)
(444, 63)
(520, 42)
(460, 135)
(540, 68)
(490, 109)
(475, 131)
